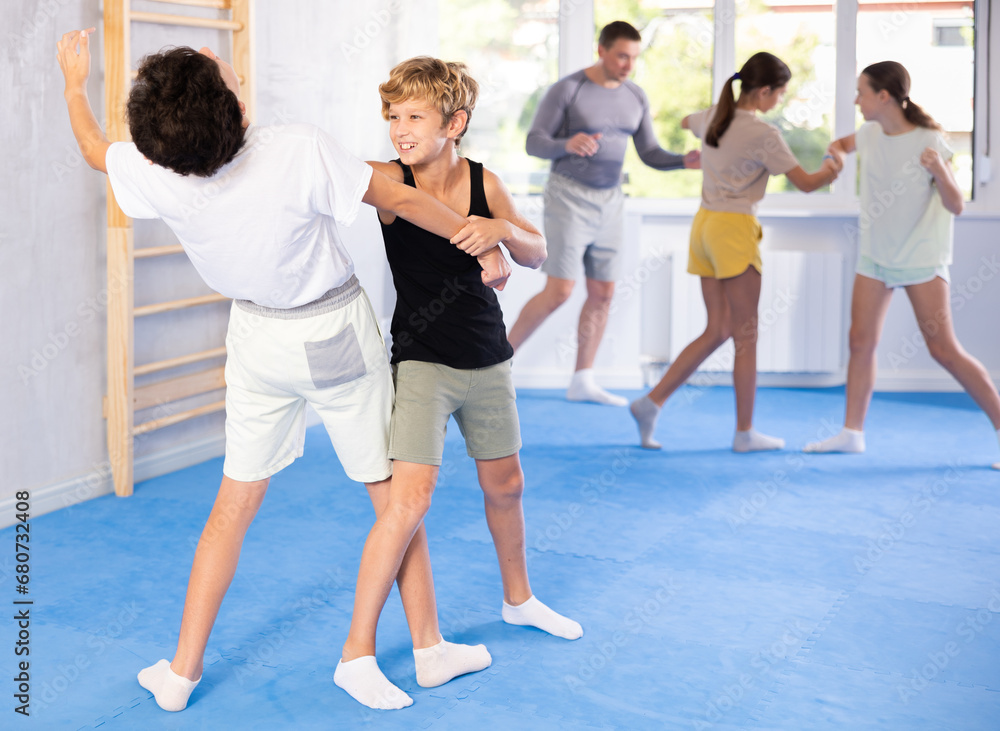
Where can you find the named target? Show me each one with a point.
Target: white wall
(320, 63)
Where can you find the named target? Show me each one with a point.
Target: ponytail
(725, 110)
(893, 78)
(916, 115)
(761, 69)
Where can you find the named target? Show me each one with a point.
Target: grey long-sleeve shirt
(576, 104)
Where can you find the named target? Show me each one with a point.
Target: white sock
(170, 690)
(752, 440)
(366, 684)
(646, 412)
(850, 441)
(440, 663)
(535, 614)
(583, 387)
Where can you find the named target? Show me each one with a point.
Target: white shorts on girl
(905, 277)
(329, 354)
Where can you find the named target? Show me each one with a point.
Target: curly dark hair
(181, 113)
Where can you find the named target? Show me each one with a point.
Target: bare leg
(502, 482)
(415, 578)
(214, 566)
(869, 305)
(743, 294)
(593, 321)
(397, 522)
(437, 661)
(538, 308)
(646, 409)
(409, 500)
(716, 333)
(215, 560)
(590, 332)
(933, 312)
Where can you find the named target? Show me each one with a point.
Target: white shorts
(906, 277)
(329, 354)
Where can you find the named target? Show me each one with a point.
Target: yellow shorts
(723, 244)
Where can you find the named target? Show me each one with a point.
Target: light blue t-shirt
(903, 223)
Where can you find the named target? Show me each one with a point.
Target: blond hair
(445, 85)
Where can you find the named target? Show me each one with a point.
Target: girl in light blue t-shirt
(909, 198)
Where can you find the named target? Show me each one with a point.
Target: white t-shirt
(264, 226)
(734, 174)
(903, 222)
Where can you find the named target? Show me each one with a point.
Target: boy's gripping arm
(508, 227)
(75, 65)
(431, 215)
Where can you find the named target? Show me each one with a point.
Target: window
(942, 75)
(691, 46)
(952, 33)
(512, 50)
(803, 36)
(675, 71)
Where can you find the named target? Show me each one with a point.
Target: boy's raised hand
(73, 53)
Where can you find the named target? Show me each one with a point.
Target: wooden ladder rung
(162, 365)
(205, 299)
(175, 389)
(149, 251)
(148, 426)
(217, 4)
(173, 19)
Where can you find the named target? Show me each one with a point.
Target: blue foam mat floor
(717, 591)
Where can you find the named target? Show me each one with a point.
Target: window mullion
(845, 92)
(982, 133)
(576, 35)
(724, 51)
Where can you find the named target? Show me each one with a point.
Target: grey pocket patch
(336, 361)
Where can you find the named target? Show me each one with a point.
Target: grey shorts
(582, 223)
(427, 394)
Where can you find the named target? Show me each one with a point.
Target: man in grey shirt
(583, 124)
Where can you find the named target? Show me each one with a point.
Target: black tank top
(444, 313)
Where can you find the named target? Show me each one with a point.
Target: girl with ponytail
(909, 198)
(740, 152)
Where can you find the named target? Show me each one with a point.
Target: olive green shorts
(482, 400)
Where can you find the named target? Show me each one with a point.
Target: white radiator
(800, 316)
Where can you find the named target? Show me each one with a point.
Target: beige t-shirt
(734, 174)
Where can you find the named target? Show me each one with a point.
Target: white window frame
(576, 23)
